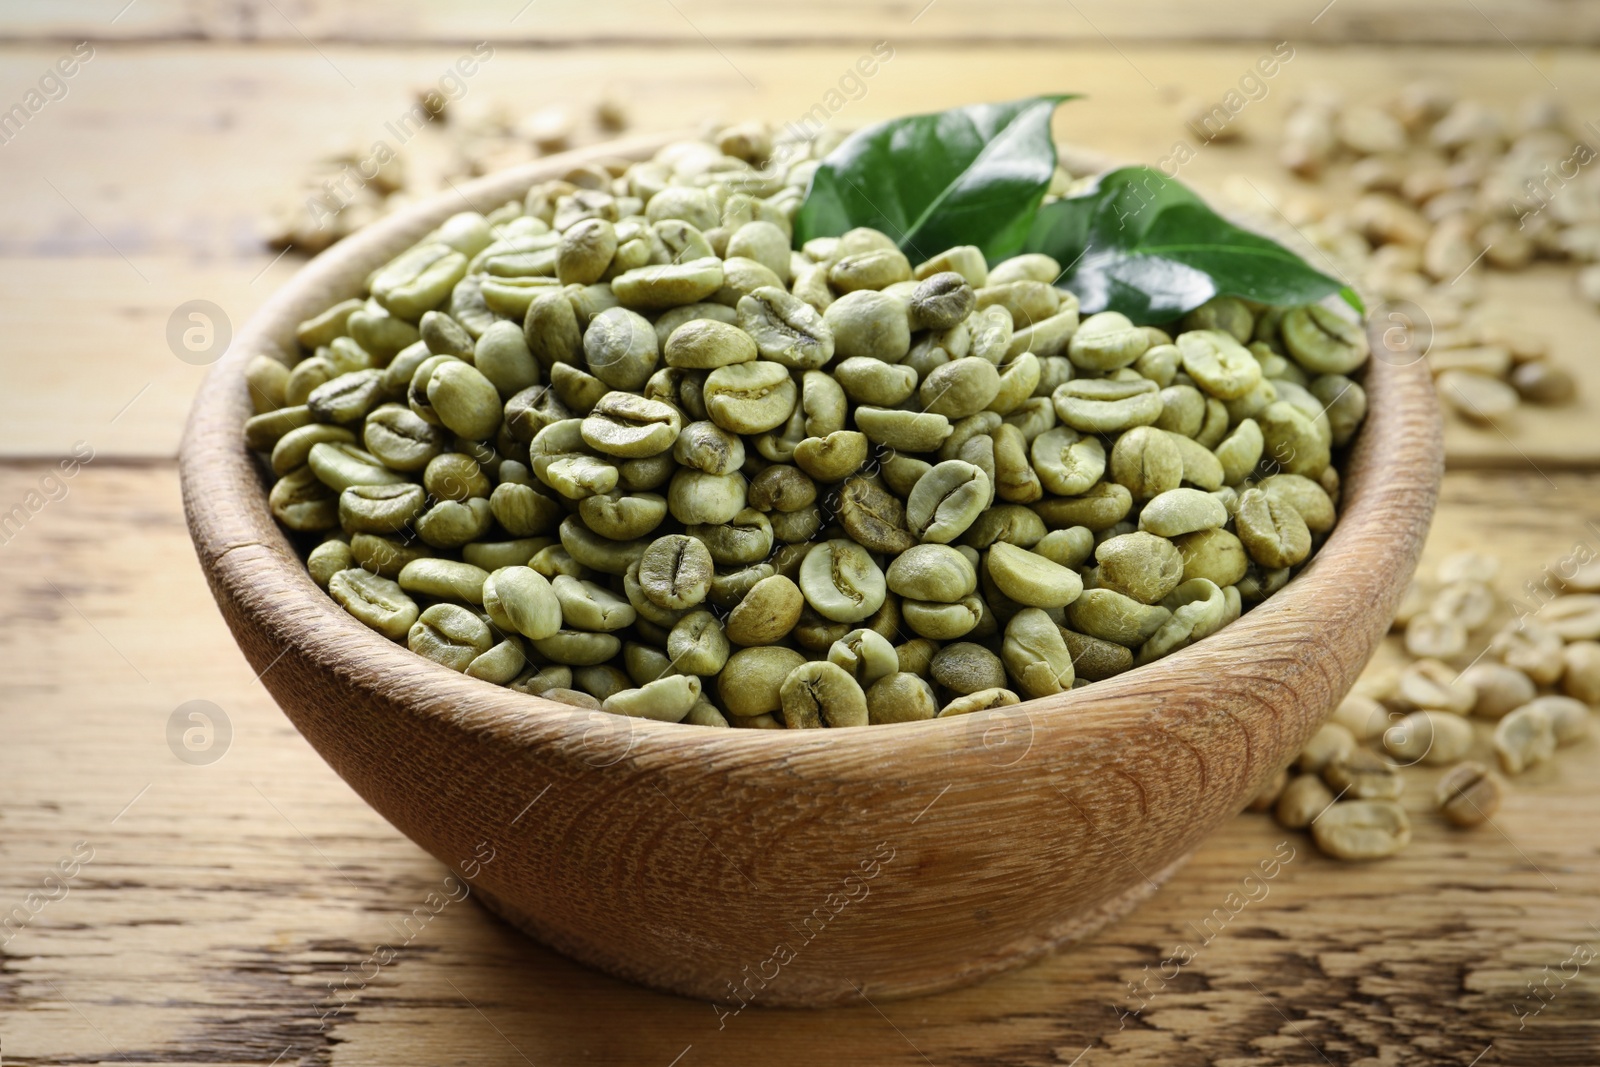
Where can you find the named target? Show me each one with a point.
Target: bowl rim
(1394, 464)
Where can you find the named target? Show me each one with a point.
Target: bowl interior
(1391, 476)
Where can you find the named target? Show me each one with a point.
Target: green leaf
(967, 176)
(1143, 244)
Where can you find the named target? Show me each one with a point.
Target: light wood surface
(206, 137)
(1026, 23)
(221, 903)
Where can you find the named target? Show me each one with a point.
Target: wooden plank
(222, 900)
(146, 236)
(1037, 22)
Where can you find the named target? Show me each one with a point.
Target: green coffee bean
(1095, 659)
(522, 599)
(374, 329)
(1141, 565)
(900, 697)
(1218, 363)
(294, 448)
(985, 700)
(418, 280)
(705, 344)
(1031, 579)
(453, 523)
(618, 516)
(767, 613)
(841, 582)
(627, 425)
(963, 431)
(578, 648)
(960, 388)
(1305, 496)
(1069, 547)
(872, 381)
(502, 356)
(942, 622)
(1106, 341)
(385, 556)
(695, 497)
(585, 251)
(492, 555)
(377, 602)
(464, 400)
(941, 301)
(1105, 405)
(550, 328)
(669, 285)
(1036, 655)
(339, 466)
(380, 508)
(501, 664)
(747, 538)
(620, 348)
(1182, 511)
(834, 457)
(322, 329)
(1198, 607)
(1147, 461)
(965, 260)
(785, 329)
(903, 431)
(346, 398)
(1215, 554)
(1524, 737)
(1273, 531)
(1293, 442)
(1100, 508)
(597, 552)
(1345, 403)
(946, 501)
(865, 655)
(665, 699)
(328, 559)
(819, 694)
(964, 668)
(749, 684)
(450, 635)
(444, 336)
(992, 334)
(675, 572)
(1111, 616)
(782, 488)
(1067, 462)
(590, 607)
(1323, 341)
(1240, 451)
(932, 572)
(445, 579)
(869, 323)
(1224, 313)
(750, 398)
(1026, 300)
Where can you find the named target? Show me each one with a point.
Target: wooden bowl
(798, 868)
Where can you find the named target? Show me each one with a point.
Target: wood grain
(1031, 23)
(225, 899)
(221, 904)
(206, 136)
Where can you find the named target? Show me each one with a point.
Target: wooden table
(218, 912)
